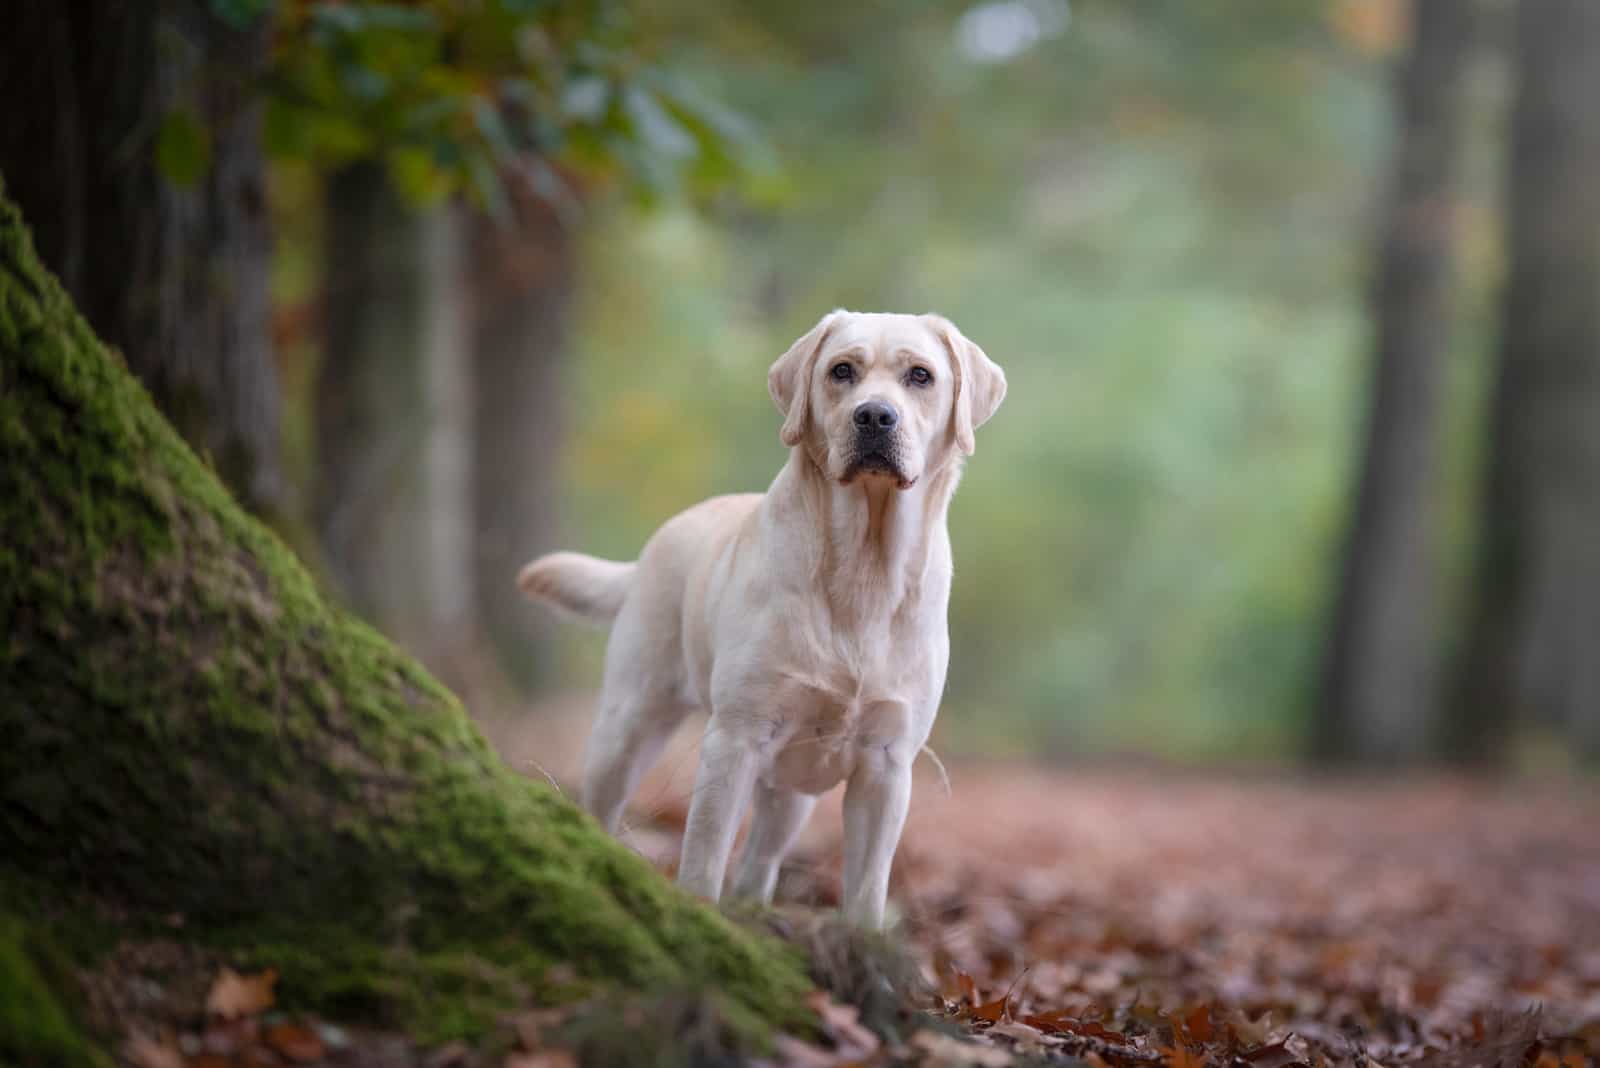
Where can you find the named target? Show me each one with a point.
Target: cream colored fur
(809, 621)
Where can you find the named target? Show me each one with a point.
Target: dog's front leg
(875, 804)
(721, 790)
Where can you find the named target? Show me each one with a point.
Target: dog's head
(884, 396)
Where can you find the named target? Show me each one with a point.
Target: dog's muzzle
(877, 446)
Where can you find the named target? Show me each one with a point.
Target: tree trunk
(1531, 653)
(1378, 669)
(521, 282)
(191, 730)
(174, 277)
(394, 497)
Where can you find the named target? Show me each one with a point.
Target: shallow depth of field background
(1157, 221)
(1160, 221)
(1164, 220)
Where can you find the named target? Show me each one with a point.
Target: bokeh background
(1297, 300)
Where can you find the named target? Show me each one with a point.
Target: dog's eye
(920, 376)
(842, 372)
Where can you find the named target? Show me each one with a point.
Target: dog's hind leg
(776, 822)
(627, 738)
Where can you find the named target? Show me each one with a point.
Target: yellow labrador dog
(809, 621)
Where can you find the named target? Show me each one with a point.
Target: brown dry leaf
(145, 1052)
(793, 1053)
(1067, 1022)
(448, 1055)
(1560, 1059)
(943, 1051)
(1276, 1055)
(228, 1037)
(209, 1060)
(297, 1043)
(234, 995)
(257, 1057)
(1251, 1032)
(547, 1058)
(1197, 1024)
(992, 1011)
(966, 987)
(530, 1026)
(1055, 1020)
(1028, 1039)
(843, 1024)
(1181, 1055)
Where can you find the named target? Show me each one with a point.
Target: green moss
(35, 1027)
(192, 728)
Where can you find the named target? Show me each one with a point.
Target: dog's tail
(584, 587)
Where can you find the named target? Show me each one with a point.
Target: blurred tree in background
(138, 162)
(437, 393)
(1531, 651)
(1378, 675)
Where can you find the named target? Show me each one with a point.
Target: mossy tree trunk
(191, 729)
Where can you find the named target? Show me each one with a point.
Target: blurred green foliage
(453, 94)
(1154, 215)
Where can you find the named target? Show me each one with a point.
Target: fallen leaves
(842, 1025)
(1276, 1055)
(1182, 1055)
(142, 1051)
(233, 995)
(1131, 920)
(296, 1042)
(1142, 923)
(549, 1058)
(946, 1051)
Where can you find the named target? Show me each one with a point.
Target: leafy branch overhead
(457, 96)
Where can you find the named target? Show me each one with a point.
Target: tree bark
(522, 288)
(1378, 672)
(1531, 651)
(177, 278)
(394, 493)
(191, 729)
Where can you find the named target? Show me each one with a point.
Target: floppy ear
(789, 379)
(980, 385)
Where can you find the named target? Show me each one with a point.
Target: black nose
(876, 415)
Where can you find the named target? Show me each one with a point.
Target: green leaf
(356, 18)
(419, 180)
(486, 115)
(362, 82)
(687, 101)
(655, 126)
(183, 148)
(491, 191)
(241, 13)
(283, 129)
(586, 99)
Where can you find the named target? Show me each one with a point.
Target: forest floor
(1132, 917)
